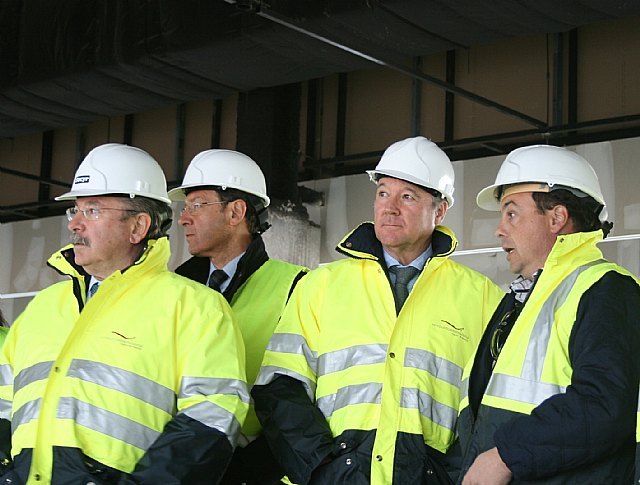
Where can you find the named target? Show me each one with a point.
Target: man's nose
(185, 218)
(392, 205)
(75, 222)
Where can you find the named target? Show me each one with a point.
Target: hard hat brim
(486, 198)
(75, 194)
(178, 194)
(374, 175)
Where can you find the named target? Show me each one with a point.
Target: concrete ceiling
(68, 63)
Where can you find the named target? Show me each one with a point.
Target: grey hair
(160, 213)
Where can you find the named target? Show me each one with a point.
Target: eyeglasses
(501, 333)
(195, 207)
(92, 213)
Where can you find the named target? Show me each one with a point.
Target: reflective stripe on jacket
(534, 363)
(107, 377)
(368, 368)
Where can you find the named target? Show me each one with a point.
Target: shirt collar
(417, 263)
(521, 286)
(92, 281)
(230, 268)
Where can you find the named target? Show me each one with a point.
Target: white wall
(25, 246)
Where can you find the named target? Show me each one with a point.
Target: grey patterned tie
(216, 279)
(404, 274)
(93, 289)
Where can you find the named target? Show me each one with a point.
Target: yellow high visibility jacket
(534, 363)
(366, 367)
(257, 293)
(270, 286)
(106, 377)
(3, 334)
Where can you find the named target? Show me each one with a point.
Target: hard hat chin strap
(263, 224)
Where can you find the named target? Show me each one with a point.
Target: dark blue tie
(216, 279)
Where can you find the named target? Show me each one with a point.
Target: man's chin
(393, 242)
(390, 235)
(194, 251)
(80, 252)
(515, 269)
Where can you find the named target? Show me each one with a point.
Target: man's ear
(441, 211)
(141, 223)
(559, 219)
(236, 211)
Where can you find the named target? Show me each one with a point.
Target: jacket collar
(197, 268)
(581, 245)
(361, 243)
(157, 252)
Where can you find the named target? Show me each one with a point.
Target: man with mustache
(360, 381)
(126, 372)
(553, 389)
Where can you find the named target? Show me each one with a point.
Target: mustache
(77, 239)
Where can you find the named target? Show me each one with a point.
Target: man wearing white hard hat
(225, 213)
(361, 380)
(125, 372)
(553, 388)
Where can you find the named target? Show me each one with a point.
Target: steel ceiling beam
(415, 74)
(501, 143)
(35, 178)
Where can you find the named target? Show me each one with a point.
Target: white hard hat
(555, 167)
(419, 161)
(118, 169)
(226, 169)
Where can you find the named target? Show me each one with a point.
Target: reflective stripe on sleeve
(6, 379)
(215, 417)
(349, 395)
(5, 409)
(464, 388)
(6, 375)
(270, 372)
(291, 343)
(28, 411)
(209, 386)
(36, 372)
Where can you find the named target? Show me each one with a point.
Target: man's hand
(488, 469)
